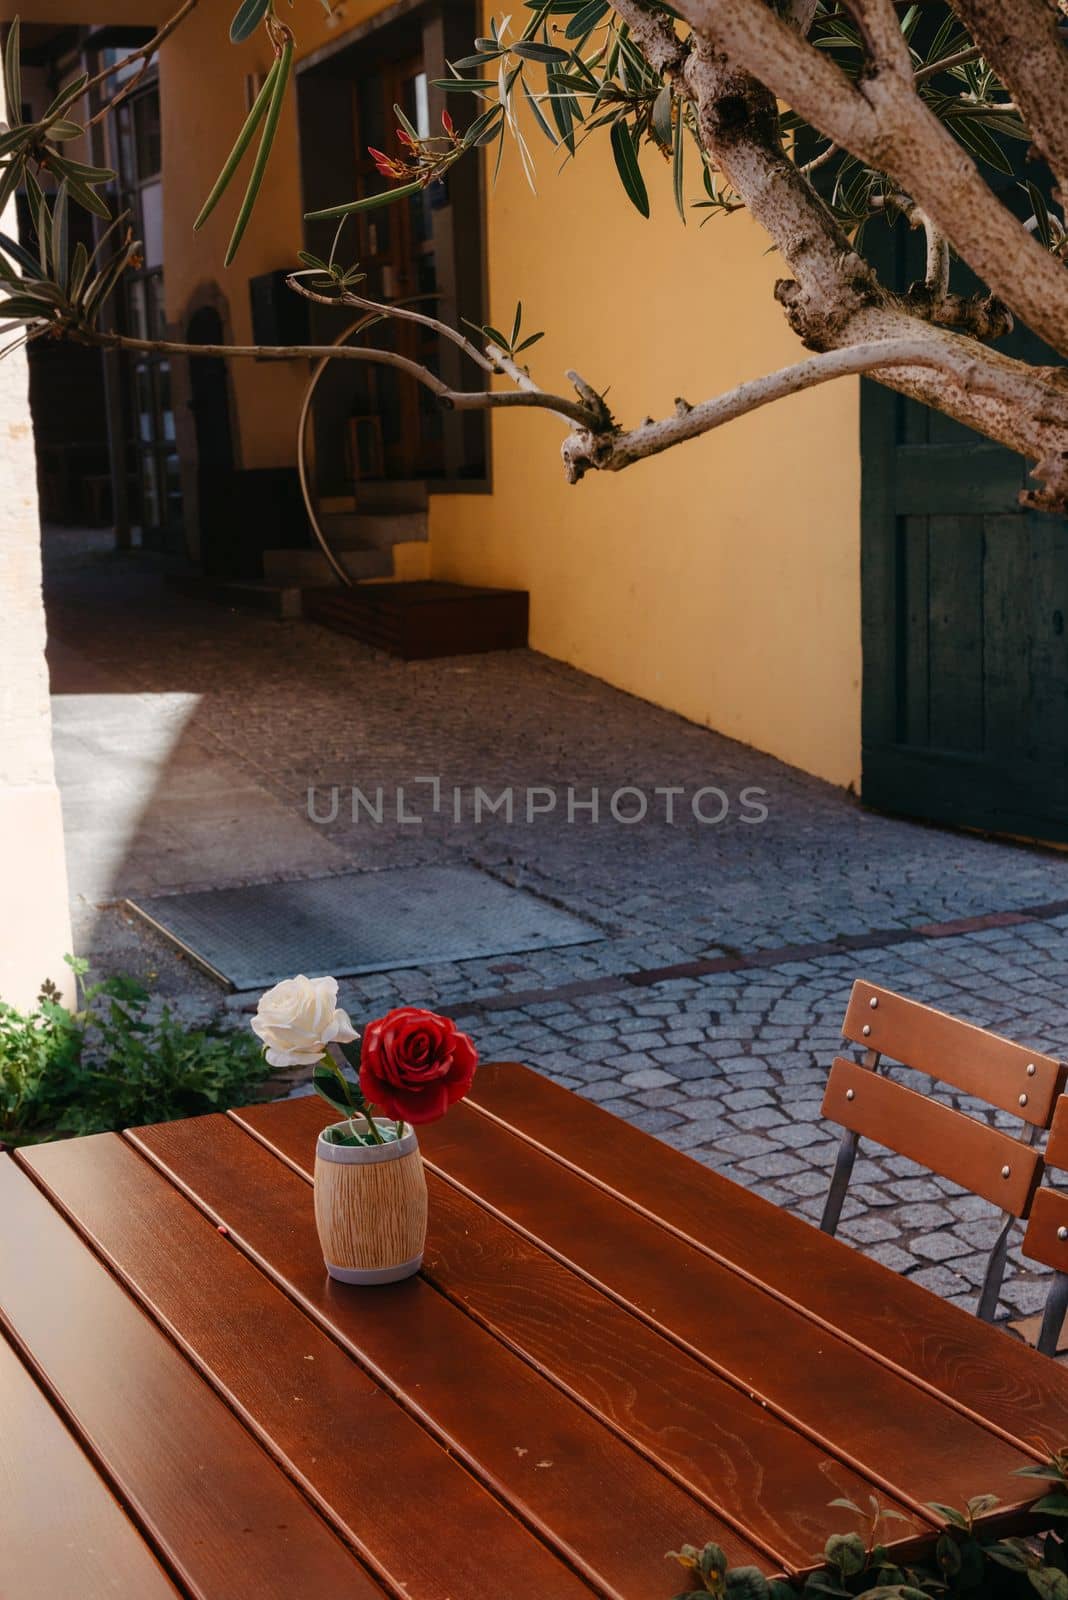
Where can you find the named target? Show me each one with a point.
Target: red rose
(415, 1064)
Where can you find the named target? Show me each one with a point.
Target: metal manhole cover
(253, 937)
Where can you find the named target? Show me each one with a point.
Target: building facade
(843, 581)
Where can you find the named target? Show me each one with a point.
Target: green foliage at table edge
(965, 1562)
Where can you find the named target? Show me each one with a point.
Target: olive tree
(825, 119)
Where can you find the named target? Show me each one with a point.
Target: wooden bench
(1046, 1239)
(1003, 1169)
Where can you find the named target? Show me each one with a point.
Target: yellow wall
(202, 105)
(720, 580)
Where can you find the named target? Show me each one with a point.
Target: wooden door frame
(440, 29)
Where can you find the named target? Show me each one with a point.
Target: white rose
(297, 1019)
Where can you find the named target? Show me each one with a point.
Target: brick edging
(875, 939)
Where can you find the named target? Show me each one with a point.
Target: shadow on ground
(188, 737)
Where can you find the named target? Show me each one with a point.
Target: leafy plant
(28, 149)
(965, 1564)
(108, 1065)
(58, 288)
(511, 345)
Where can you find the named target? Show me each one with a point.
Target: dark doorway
(965, 613)
(68, 399)
(396, 421)
(371, 423)
(209, 403)
(136, 152)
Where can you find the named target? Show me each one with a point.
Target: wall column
(34, 914)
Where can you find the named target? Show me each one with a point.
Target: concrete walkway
(188, 739)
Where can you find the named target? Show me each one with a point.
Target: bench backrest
(1003, 1074)
(1046, 1239)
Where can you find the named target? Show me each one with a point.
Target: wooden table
(611, 1351)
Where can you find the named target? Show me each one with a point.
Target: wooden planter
(370, 1208)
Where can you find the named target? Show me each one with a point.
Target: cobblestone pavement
(189, 737)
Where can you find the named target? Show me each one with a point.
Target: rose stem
(371, 1123)
(359, 1104)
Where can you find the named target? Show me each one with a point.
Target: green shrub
(962, 1562)
(108, 1065)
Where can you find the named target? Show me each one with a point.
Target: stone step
(349, 530)
(272, 599)
(424, 619)
(380, 494)
(307, 568)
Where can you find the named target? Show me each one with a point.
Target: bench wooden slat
(64, 1537)
(981, 1063)
(980, 1158)
(174, 1451)
(1040, 1242)
(919, 1447)
(1056, 1151)
(973, 1365)
(697, 1425)
(417, 1517)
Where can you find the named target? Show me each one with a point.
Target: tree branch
(1025, 47)
(452, 399)
(836, 300)
(654, 31)
(959, 58)
(496, 360)
(882, 36)
(145, 53)
(738, 122)
(399, 312)
(145, 50)
(936, 275)
(802, 14)
(881, 120)
(821, 160)
(611, 452)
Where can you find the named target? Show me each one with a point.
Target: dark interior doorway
(68, 400)
(965, 596)
(209, 403)
(397, 430)
(371, 423)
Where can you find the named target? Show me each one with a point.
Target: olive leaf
(626, 158)
(247, 19)
(270, 128)
(244, 139)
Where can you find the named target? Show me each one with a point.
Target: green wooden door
(965, 606)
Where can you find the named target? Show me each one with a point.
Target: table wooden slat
(417, 1517)
(976, 1366)
(63, 1534)
(223, 1516)
(711, 1435)
(547, 1456)
(920, 1447)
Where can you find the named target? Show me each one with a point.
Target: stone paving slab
(708, 1013)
